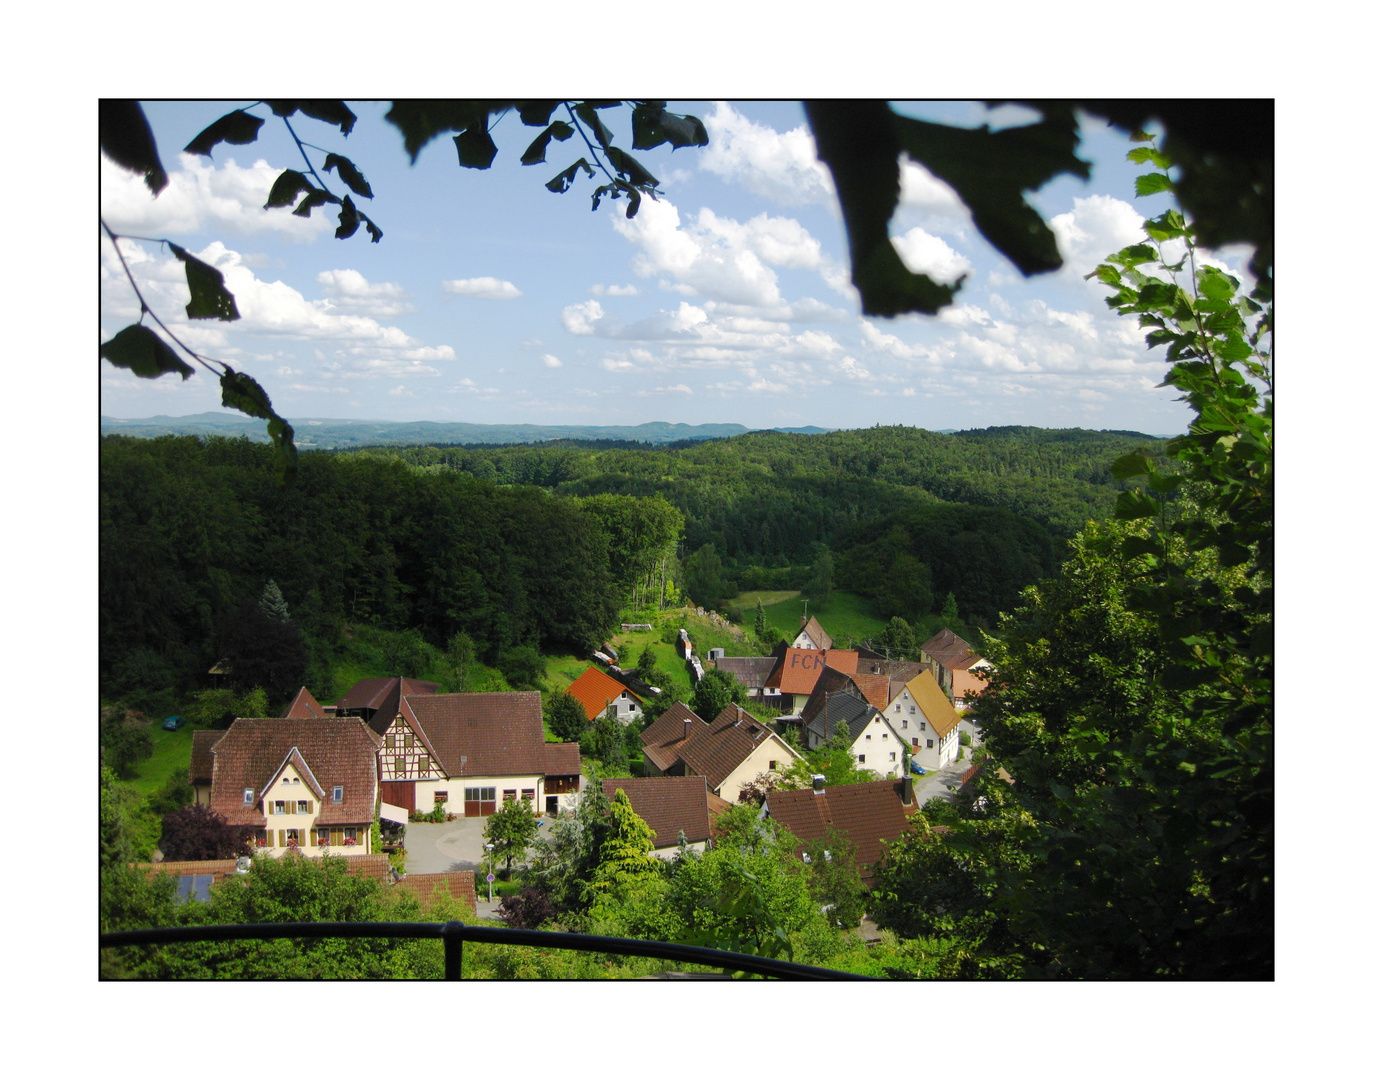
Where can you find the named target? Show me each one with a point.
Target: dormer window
(247, 796)
(338, 793)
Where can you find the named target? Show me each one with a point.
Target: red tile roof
(950, 650)
(662, 737)
(303, 706)
(798, 670)
(593, 689)
(461, 887)
(336, 751)
(378, 700)
(202, 760)
(562, 759)
(670, 805)
(500, 734)
(868, 814)
(712, 750)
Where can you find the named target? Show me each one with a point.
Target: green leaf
(209, 298)
(237, 127)
(128, 141)
(1167, 226)
(1232, 349)
(628, 167)
(560, 183)
(1134, 546)
(889, 288)
(347, 219)
(287, 188)
(1164, 483)
(1152, 184)
(1133, 505)
(331, 112)
(242, 392)
(312, 200)
(1147, 155)
(349, 174)
(1214, 284)
(1105, 273)
(139, 350)
(422, 120)
(476, 148)
(1132, 464)
(538, 149)
(1141, 135)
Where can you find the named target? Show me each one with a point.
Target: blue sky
(492, 300)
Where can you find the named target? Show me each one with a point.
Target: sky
(492, 300)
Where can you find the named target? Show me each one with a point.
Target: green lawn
(845, 615)
(171, 751)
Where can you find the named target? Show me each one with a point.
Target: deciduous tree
(511, 829)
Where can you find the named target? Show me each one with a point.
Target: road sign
(490, 878)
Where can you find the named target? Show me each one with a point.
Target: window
(929, 744)
(338, 793)
(905, 723)
(479, 794)
(350, 834)
(772, 766)
(884, 736)
(390, 742)
(279, 806)
(898, 708)
(302, 807)
(508, 795)
(293, 837)
(891, 756)
(247, 796)
(862, 758)
(527, 793)
(409, 740)
(868, 737)
(322, 836)
(922, 725)
(440, 796)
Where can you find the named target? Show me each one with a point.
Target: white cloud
(551, 361)
(614, 290)
(929, 255)
(780, 166)
(1097, 226)
(350, 290)
(483, 288)
(203, 196)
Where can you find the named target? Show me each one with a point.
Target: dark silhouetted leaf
(242, 392)
(476, 148)
(586, 113)
(420, 121)
(209, 298)
(237, 127)
(634, 200)
(312, 200)
(559, 129)
(560, 183)
(331, 112)
(628, 167)
(287, 188)
(653, 126)
(347, 219)
(372, 230)
(144, 353)
(536, 113)
(349, 174)
(128, 141)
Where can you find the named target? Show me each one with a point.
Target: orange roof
(303, 706)
(594, 689)
(799, 669)
(933, 705)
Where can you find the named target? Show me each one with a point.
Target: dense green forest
(539, 547)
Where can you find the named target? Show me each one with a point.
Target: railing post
(452, 950)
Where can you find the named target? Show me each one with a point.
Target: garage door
(479, 801)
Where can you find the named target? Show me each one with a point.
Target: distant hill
(347, 434)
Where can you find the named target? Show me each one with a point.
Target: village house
(676, 808)
(600, 695)
(303, 784)
(958, 669)
(812, 636)
(925, 718)
(873, 742)
(733, 750)
(753, 673)
(796, 672)
(869, 815)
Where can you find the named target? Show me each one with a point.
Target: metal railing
(454, 934)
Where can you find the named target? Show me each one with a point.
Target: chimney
(686, 728)
(907, 791)
(817, 783)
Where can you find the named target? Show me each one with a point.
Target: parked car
(173, 722)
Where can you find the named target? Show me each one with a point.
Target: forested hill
(764, 495)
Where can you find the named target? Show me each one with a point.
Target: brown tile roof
(336, 751)
(720, 747)
(715, 806)
(752, 671)
(662, 737)
(951, 651)
(799, 669)
(868, 814)
(593, 688)
(202, 759)
(378, 699)
(303, 706)
(562, 759)
(218, 869)
(937, 708)
(813, 630)
(670, 805)
(461, 886)
(500, 734)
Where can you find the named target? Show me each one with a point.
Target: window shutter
(281, 836)
(310, 807)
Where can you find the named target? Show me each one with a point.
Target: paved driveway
(441, 849)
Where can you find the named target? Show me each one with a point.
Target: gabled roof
(670, 805)
(562, 759)
(845, 705)
(296, 761)
(378, 700)
(303, 706)
(664, 736)
(716, 749)
(950, 650)
(500, 734)
(593, 689)
(334, 750)
(902, 671)
(813, 630)
(868, 814)
(752, 671)
(799, 669)
(202, 758)
(930, 699)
